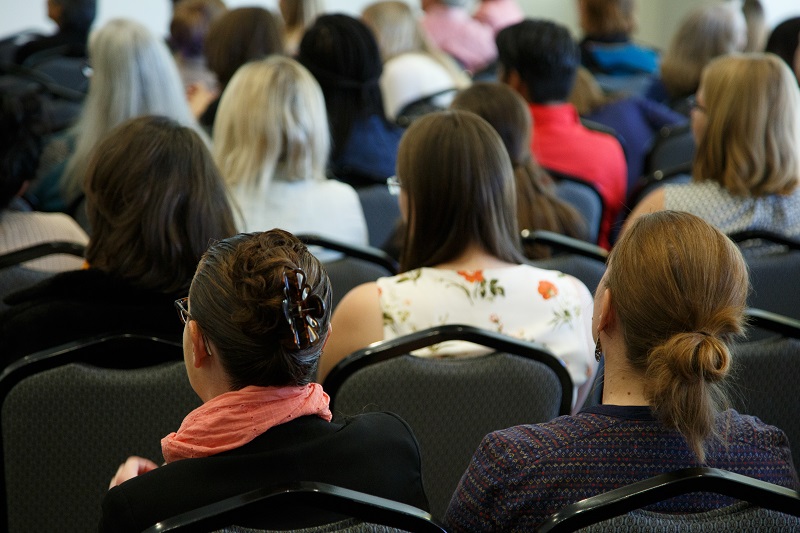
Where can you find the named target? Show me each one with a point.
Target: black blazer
(375, 453)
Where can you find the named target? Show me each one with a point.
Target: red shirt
(561, 143)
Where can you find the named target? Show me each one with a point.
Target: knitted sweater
(520, 476)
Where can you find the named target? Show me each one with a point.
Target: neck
(474, 257)
(622, 384)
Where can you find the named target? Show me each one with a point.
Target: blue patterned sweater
(520, 476)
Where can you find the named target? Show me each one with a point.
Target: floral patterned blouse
(522, 301)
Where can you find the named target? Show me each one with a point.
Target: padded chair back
(66, 427)
(381, 211)
(673, 146)
(619, 510)
(369, 513)
(350, 272)
(659, 178)
(586, 200)
(589, 271)
(765, 374)
(451, 403)
(36, 251)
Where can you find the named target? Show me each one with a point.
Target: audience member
(665, 313)
(190, 23)
(783, 41)
(414, 69)
(757, 30)
(20, 147)
(747, 165)
(256, 320)
(461, 262)
(538, 207)
(636, 120)
(74, 18)
(238, 36)
(133, 75)
(498, 14)
(297, 16)
(606, 46)
(155, 200)
(272, 143)
(343, 56)
(539, 59)
(451, 28)
(705, 33)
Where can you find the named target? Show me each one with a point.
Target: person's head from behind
(705, 33)
(154, 199)
(20, 144)
(784, 41)
(272, 123)
(395, 26)
(263, 302)
(190, 23)
(342, 54)
(74, 15)
(457, 191)
(675, 293)
(538, 58)
(747, 125)
(133, 75)
(607, 18)
(241, 35)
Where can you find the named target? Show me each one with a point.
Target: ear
(608, 318)
(200, 355)
(515, 81)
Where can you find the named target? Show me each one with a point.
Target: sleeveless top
(522, 301)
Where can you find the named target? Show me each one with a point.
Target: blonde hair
(705, 33)
(751, 144)
(134, 75)
(679, 288)
(397, 31)
(271, 124)
(607, 17)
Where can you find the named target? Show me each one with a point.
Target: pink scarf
(235, 418)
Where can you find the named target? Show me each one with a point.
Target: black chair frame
(742, 236)
(563, 243)
(40, 250)
(783, 325)
(649, 491)
(365, 507)
(389, 349)
(366, 253)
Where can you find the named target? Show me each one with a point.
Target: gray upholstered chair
(451, 403)
(577, 258)
(67, 425)
(381, 211)
(584, 197)
(353, 512)
(764, 506)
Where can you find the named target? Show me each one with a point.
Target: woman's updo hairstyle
(237, 297)
(679, 289)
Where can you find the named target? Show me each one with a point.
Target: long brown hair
(679, 288)
(538, 208)
(460, 188)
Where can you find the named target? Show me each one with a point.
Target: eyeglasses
(694, 104)
(182, 304)
(394, 185)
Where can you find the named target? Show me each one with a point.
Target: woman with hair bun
(256, 320)
(665, 313)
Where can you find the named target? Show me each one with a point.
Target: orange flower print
(547, 290)
(476, 276)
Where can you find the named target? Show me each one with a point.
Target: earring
(598, 350)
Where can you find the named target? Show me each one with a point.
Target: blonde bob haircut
(607, 17)
(706, 32)
(679, 289)
(134, 75)
(751, 144)
(271, 124)
(460, 189)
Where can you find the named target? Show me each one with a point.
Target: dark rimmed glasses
(182, 305)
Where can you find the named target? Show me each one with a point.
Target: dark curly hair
(237, 299)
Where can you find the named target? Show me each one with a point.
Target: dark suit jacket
(375, 453)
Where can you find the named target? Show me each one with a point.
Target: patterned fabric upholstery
(586, 200)
(66, 430)
(451, 404)
(738, 517)
(345, 526)
(774, 280)
(764, 384)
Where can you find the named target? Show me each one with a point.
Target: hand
(131, 468)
